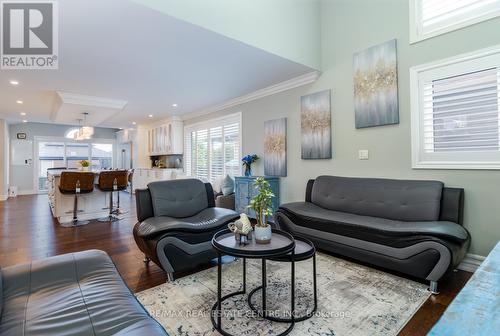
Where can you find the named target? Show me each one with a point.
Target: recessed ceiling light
(14, 82)
(120, 128)
(23, 113)
(150, 116)
(25, 121)
(174, 105)
(134, 123)
(19, 101)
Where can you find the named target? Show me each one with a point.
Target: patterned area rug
(352, 300)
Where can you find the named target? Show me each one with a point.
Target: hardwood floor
(28, 232)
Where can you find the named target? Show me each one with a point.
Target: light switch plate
(363, 154)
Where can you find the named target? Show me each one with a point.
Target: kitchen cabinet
(167, 138)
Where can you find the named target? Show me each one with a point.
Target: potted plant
(262, 205)
(247, 163)
(85, 164)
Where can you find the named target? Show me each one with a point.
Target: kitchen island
(90, 206)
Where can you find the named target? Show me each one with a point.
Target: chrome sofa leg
(170, 277)
(433, 288)
(146, 260)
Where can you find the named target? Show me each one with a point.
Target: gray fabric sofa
(176, 222)
(71, 294)
(413, 227)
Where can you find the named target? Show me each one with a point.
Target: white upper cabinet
(166, 138)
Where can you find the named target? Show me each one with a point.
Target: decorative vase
(248, 170)
(85, 168)
(262, 234)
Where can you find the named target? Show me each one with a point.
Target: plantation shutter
(461, 113)
(232, 153)
(435, 15)
(213, 149)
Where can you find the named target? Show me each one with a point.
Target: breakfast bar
(92, 205)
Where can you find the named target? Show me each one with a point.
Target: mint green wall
(349, 26)
(287, 28)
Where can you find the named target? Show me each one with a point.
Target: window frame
(65, 140)
(207, 124)
(419, 75)
(416, 34)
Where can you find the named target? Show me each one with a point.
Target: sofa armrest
(452, 205)
(227, 202)
(309, 189)
(210, 195)
(143, 204)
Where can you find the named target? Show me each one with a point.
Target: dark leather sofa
(71, 294)
(176, 222)
(413, 227)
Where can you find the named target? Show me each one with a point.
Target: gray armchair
(176, 222)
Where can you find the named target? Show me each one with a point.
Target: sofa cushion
(72, 294)
(310, 215)
(402, 200)
(178, 198)
(205, 220)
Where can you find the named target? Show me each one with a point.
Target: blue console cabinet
(245, 191)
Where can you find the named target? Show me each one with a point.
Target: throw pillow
(227, 185)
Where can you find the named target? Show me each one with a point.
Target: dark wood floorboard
(28, 232)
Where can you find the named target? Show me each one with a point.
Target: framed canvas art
(315, 124)
(275, 147)
(376, 86)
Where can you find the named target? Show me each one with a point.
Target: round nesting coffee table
(304, 250)
(282, 244)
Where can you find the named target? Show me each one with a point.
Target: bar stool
(76, 183)
(111, 181)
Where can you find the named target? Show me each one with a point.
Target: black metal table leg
(244, 275)
(315, 286)
(264, 287)
(293, 289)
(219, 290)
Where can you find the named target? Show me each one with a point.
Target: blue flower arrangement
(247, 163)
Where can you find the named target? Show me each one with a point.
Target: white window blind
(430, 18)
(213, 148)
(462, 113)
(456, 113)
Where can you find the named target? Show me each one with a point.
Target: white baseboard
(4, 197)
(26, 192)
(471, 262)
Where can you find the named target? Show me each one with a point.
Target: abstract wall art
(275, 147)
(376, 86)
(315, 122)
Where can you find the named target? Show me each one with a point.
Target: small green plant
(262, 202)
(84, 163)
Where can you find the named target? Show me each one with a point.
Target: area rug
(352, 300)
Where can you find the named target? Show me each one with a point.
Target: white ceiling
(120, 50)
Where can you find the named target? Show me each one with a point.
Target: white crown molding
(302, 80)
(78, 99)
(471, 262)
